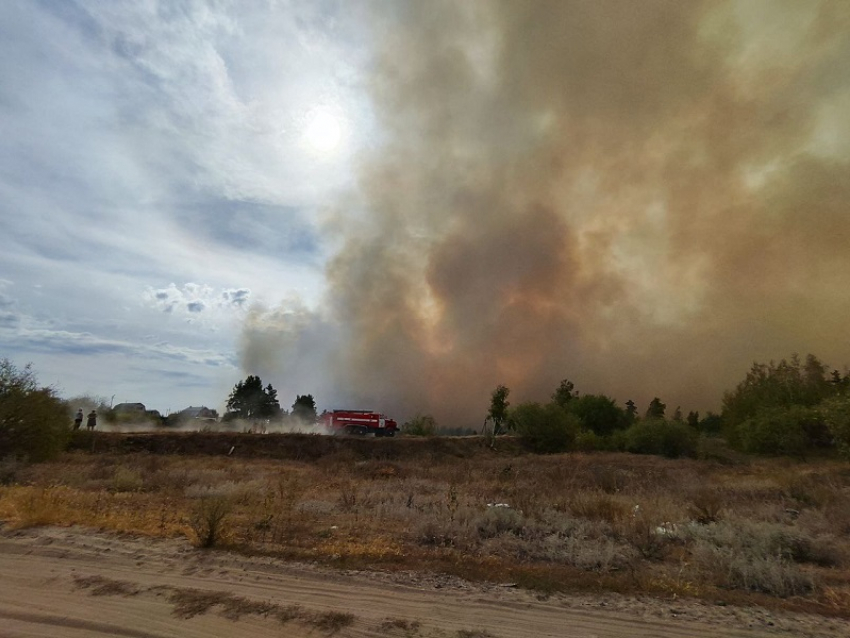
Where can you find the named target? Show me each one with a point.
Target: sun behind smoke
(323, 131)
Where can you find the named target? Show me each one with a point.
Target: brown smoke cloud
(643, 197)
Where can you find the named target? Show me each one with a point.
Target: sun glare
(323, 131)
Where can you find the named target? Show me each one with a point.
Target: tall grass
(771, 528)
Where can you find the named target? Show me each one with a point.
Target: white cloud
(154, 142)
(195, 298)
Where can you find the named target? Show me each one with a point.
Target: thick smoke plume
(643, 197)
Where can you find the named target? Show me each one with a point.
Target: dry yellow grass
(773, 533)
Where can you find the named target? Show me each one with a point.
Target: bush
(587, 441)
(657, 436)
(710, 448)
(711, 425)
(706, 506)
(769, 575)
(545, 429)
(598, 413)
(778, 431)
(209, 520)
(421, 425)
(617, 441)
(34, 422)
(836, 415)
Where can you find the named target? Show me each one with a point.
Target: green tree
(631, 412)
(304, 408)
(783, 384)
(711, 424)
(656, 409)
(835, 412)
(780, 400)
(564, 394)
(249, 400)
(272, 403)
(499, 407)
(545, 429)
(839, 383)
(34, 422)
(598, 413)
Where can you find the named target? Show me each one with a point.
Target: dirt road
(72, 583)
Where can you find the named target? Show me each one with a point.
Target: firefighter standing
(91, 421)
(78, 419)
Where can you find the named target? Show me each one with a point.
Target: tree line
(793, 407)
(250, 401)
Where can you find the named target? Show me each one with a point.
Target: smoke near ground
(643, 197)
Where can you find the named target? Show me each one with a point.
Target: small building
(130, 408)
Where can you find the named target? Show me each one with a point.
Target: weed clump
(209, 520)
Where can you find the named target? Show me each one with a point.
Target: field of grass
(771, 532)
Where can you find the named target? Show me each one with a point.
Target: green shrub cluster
(658, 436)
(835, 413)
(34, 422)
(777, 431)
(545, 428)
(788, 408)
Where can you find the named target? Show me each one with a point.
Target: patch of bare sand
(70, 582)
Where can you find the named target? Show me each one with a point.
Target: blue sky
(155, 182)
(399, 204)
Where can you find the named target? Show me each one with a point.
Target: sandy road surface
(73, 583)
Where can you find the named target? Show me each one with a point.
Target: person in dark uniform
(78, 419)
(91, 421)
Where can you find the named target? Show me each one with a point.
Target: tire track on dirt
(39, 569)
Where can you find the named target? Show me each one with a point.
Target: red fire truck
(358, 422)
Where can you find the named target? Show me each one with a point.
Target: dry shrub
(597, 554)
(431, 532)
(209, 520)
(441, 530)
(101, 586)
(598, 506)
(646, 535)
(767, 574)
(608, 479)
(706, 506)
(759, 556)
(495, 521)
(812, 490)
(839, 515)
(392, 625)
(837, 598)
(717, 450)
(331, 621)
(376, 469)
(127, 479)
(189, 603)
(348, 496)
(274, 511)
